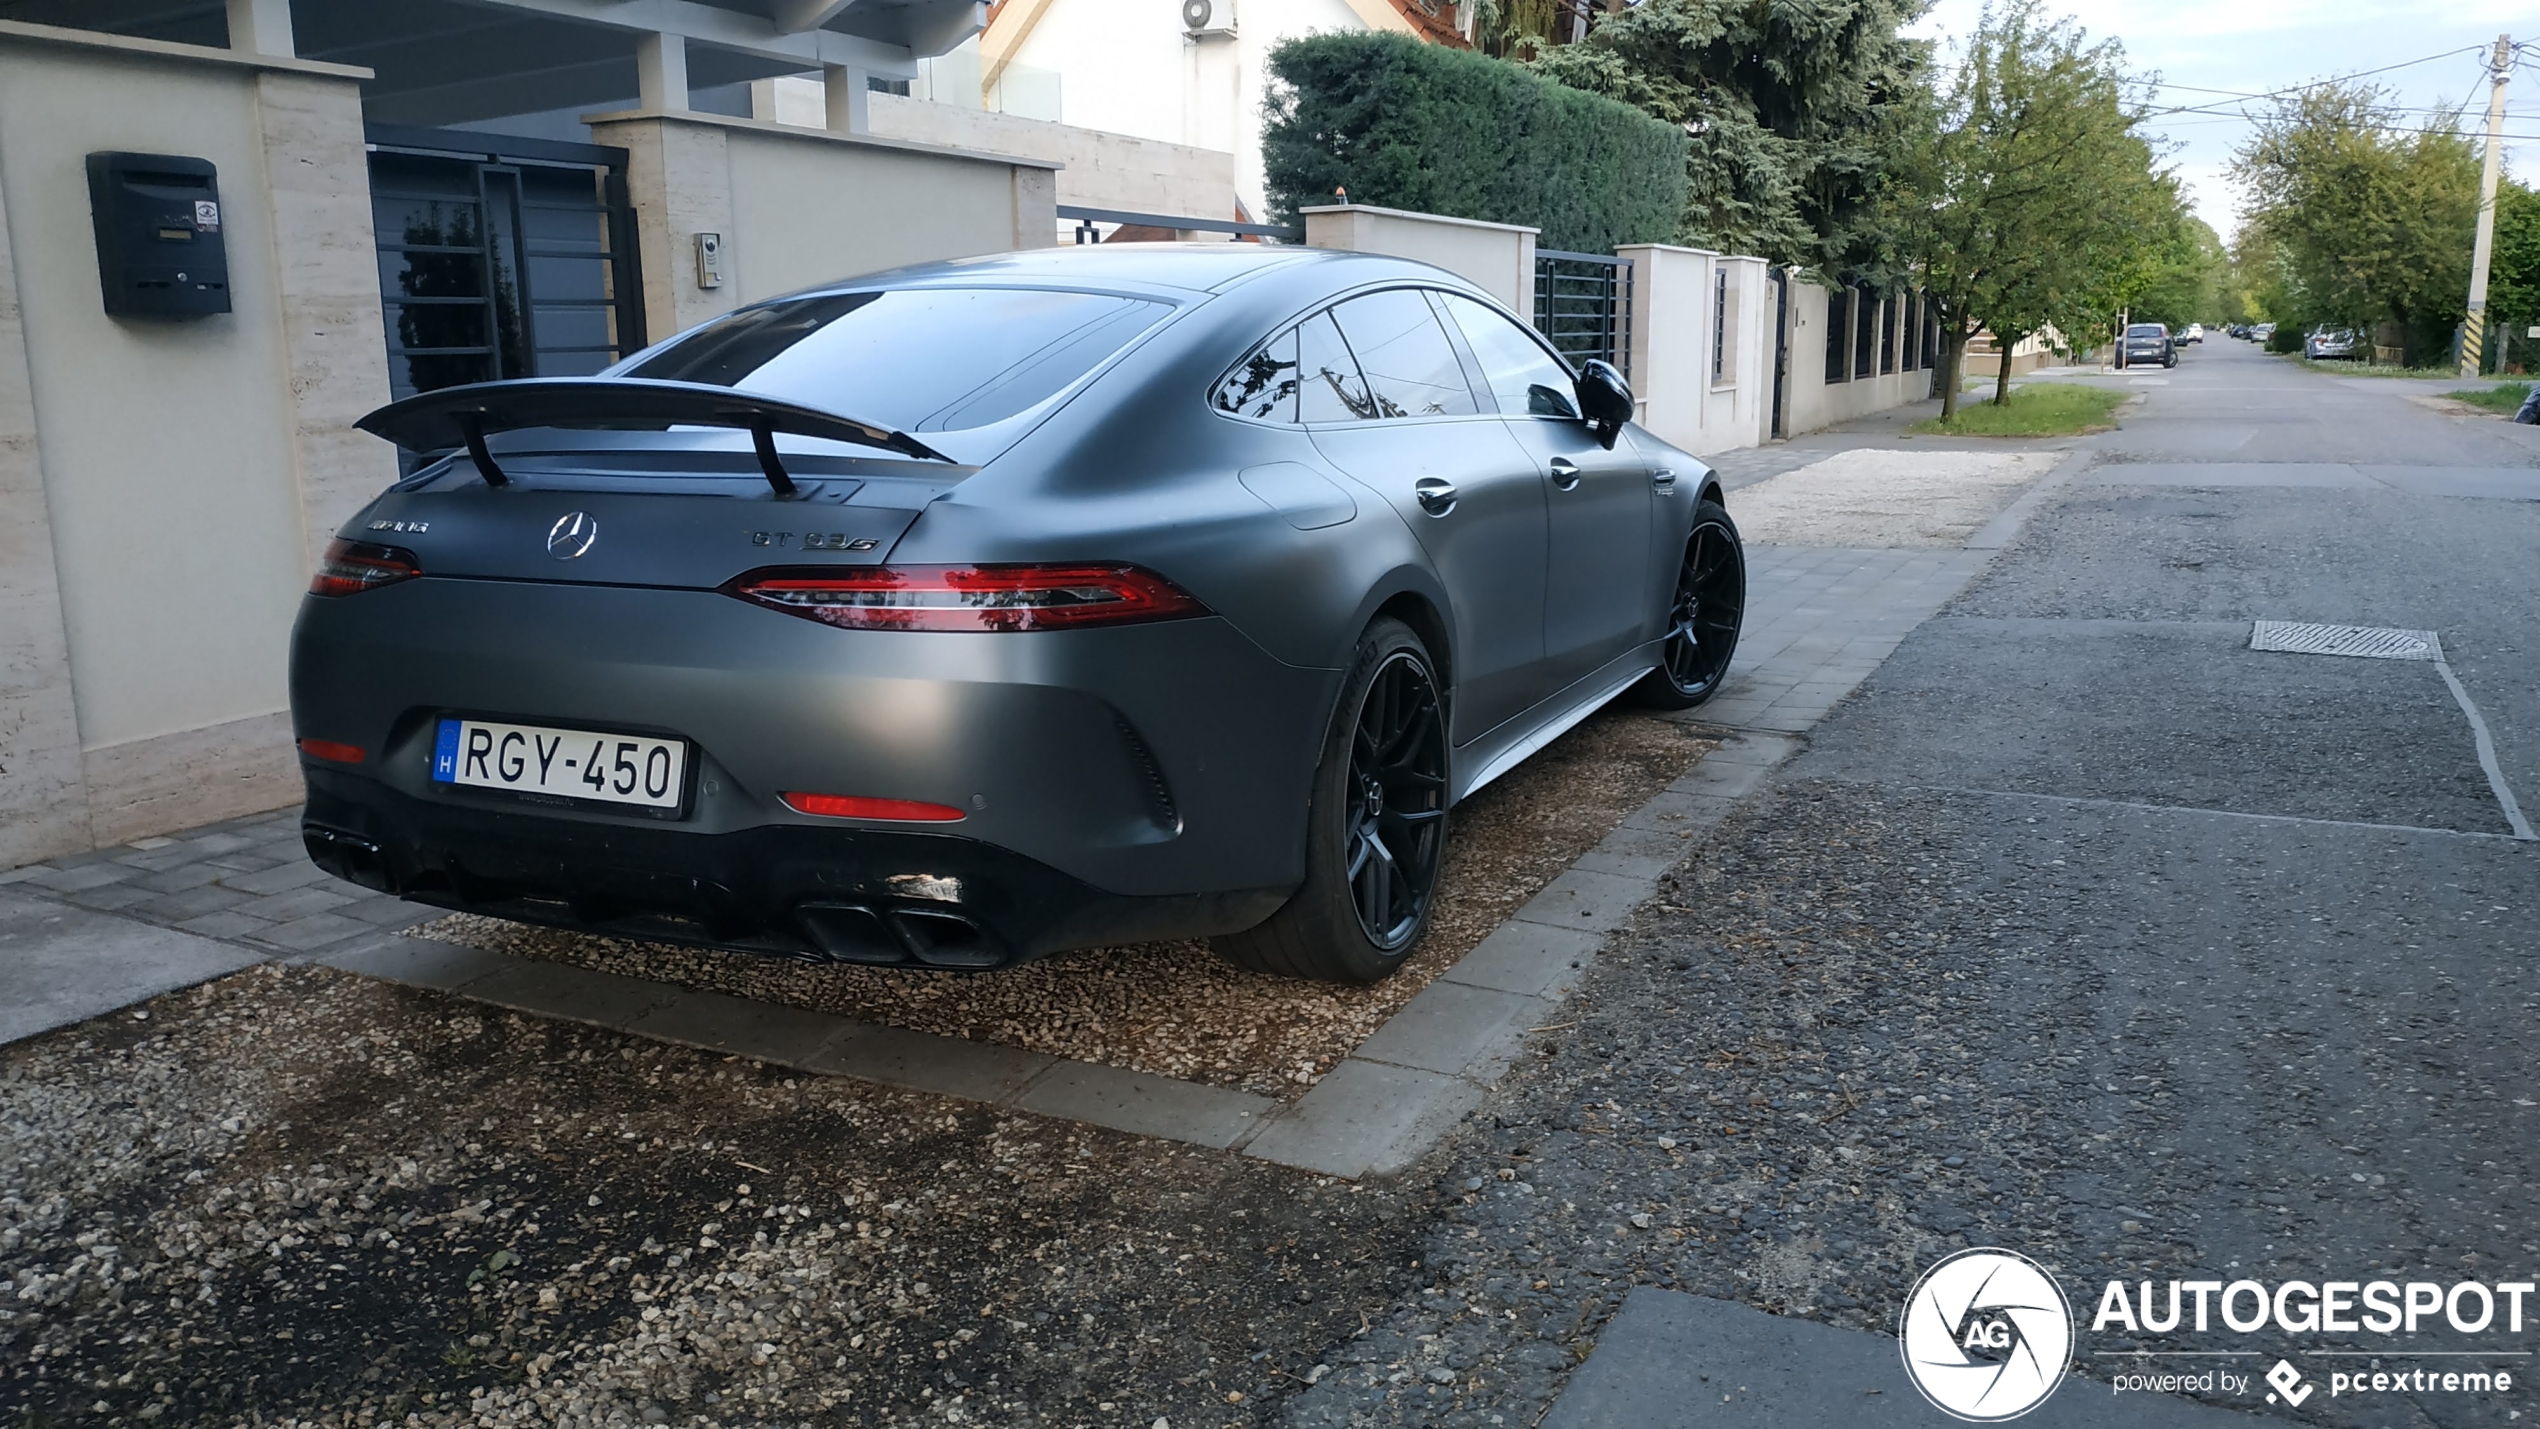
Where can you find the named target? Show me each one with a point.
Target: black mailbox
(159, 249)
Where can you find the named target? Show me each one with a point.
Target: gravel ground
(301, 1197)
(1875, 497)
(1867, 1026)
(1175, 1009)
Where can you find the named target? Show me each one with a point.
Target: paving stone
(177, 879)
(248, 862)
(235, 926)
(1451, 1026)
(761, 1030)
(95, 873)
(315, 931)
(1590, 902)
(1720, 781)
(60, 965)
(1529, 959)
(1637, 852)
(382, 911)
(418, 962)
(1146, 1105)
(1365, 1118)
(1675, 811)
(192, 903)
(975, 1071)
(281, 878)
(211, 844)
(108, 897)
(574, 994)
(297, 903)
(22, 875)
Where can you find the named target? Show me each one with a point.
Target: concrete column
(43, 792)
(261, 27)
(661, 73)
(1671, 339)
(844, 93)
(1035, 207)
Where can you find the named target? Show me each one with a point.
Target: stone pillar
(1035, 207)
(327, 279)
(679, 178)
(1672, 290)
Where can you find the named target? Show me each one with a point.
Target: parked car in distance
(2262, 332)
(2331, 342)
(955, 615)
(2149, 344)
(2195, 333)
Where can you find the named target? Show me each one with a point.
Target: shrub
(2285, 338)
(1414, 126)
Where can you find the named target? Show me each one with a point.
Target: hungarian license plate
(561, 763)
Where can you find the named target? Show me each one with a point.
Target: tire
(1703, 615)
(1370, 877)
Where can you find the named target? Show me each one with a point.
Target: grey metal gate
(1583, 305)
(501, 257)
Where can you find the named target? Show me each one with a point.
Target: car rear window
(2144, 330)
(915, 359)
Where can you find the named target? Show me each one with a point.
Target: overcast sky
(2255, 46)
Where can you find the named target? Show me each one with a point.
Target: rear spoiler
(462, 416)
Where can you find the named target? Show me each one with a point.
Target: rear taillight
(332, 751)
(1014, 597)
(350, 567)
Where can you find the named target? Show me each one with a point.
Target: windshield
(2144, 330)
(912, 359)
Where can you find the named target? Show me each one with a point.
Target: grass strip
(2038, 409)
(2507, 400)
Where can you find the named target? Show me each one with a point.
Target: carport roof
(453, 61)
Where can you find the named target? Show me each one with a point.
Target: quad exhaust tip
(897, 936)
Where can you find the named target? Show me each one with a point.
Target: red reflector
(849, 806)
(331, 751)
(1004, 598)
(350, 567)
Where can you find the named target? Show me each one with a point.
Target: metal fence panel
(1583, 305)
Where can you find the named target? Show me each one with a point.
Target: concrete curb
(1376, 1113)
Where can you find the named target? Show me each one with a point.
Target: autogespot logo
(1987, 1335)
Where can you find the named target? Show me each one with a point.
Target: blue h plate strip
(445, 752)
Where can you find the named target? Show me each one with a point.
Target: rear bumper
(819, 893)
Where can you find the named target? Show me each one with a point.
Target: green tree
(2513, 273)
(1793, 108)
(2369, 217)
(2030, 199)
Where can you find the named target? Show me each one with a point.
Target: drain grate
(2365, 640)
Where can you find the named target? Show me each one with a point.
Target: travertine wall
(798, 206)
(1100, 169)
(164, 485)
(1498, 258)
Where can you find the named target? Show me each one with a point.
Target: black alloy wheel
(1397, 802)
(1375, 828)
(1704, 617)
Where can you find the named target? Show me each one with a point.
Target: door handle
(1663, 479)
(1436, 494)
(1565, 473)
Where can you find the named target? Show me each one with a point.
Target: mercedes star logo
(572, 535)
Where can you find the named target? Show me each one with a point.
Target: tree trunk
(1953, 369)
(2002, 377)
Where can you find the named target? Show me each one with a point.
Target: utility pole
(2474, 323)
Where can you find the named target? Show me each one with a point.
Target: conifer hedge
(1416, 126)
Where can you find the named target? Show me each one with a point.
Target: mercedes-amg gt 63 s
(960, 614)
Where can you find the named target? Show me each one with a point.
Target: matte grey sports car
(964, 613)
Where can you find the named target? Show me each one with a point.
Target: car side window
(1524, 378)
(1333, 391)
(1263, 385)
(1411, 368)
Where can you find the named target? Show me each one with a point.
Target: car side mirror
(1605, 399)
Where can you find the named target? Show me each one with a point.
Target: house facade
(1191, 73)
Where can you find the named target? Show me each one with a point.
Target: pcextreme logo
(1987, 1334)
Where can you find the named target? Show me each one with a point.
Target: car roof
(1190, 267)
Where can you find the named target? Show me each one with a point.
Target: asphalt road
(2085, 931)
